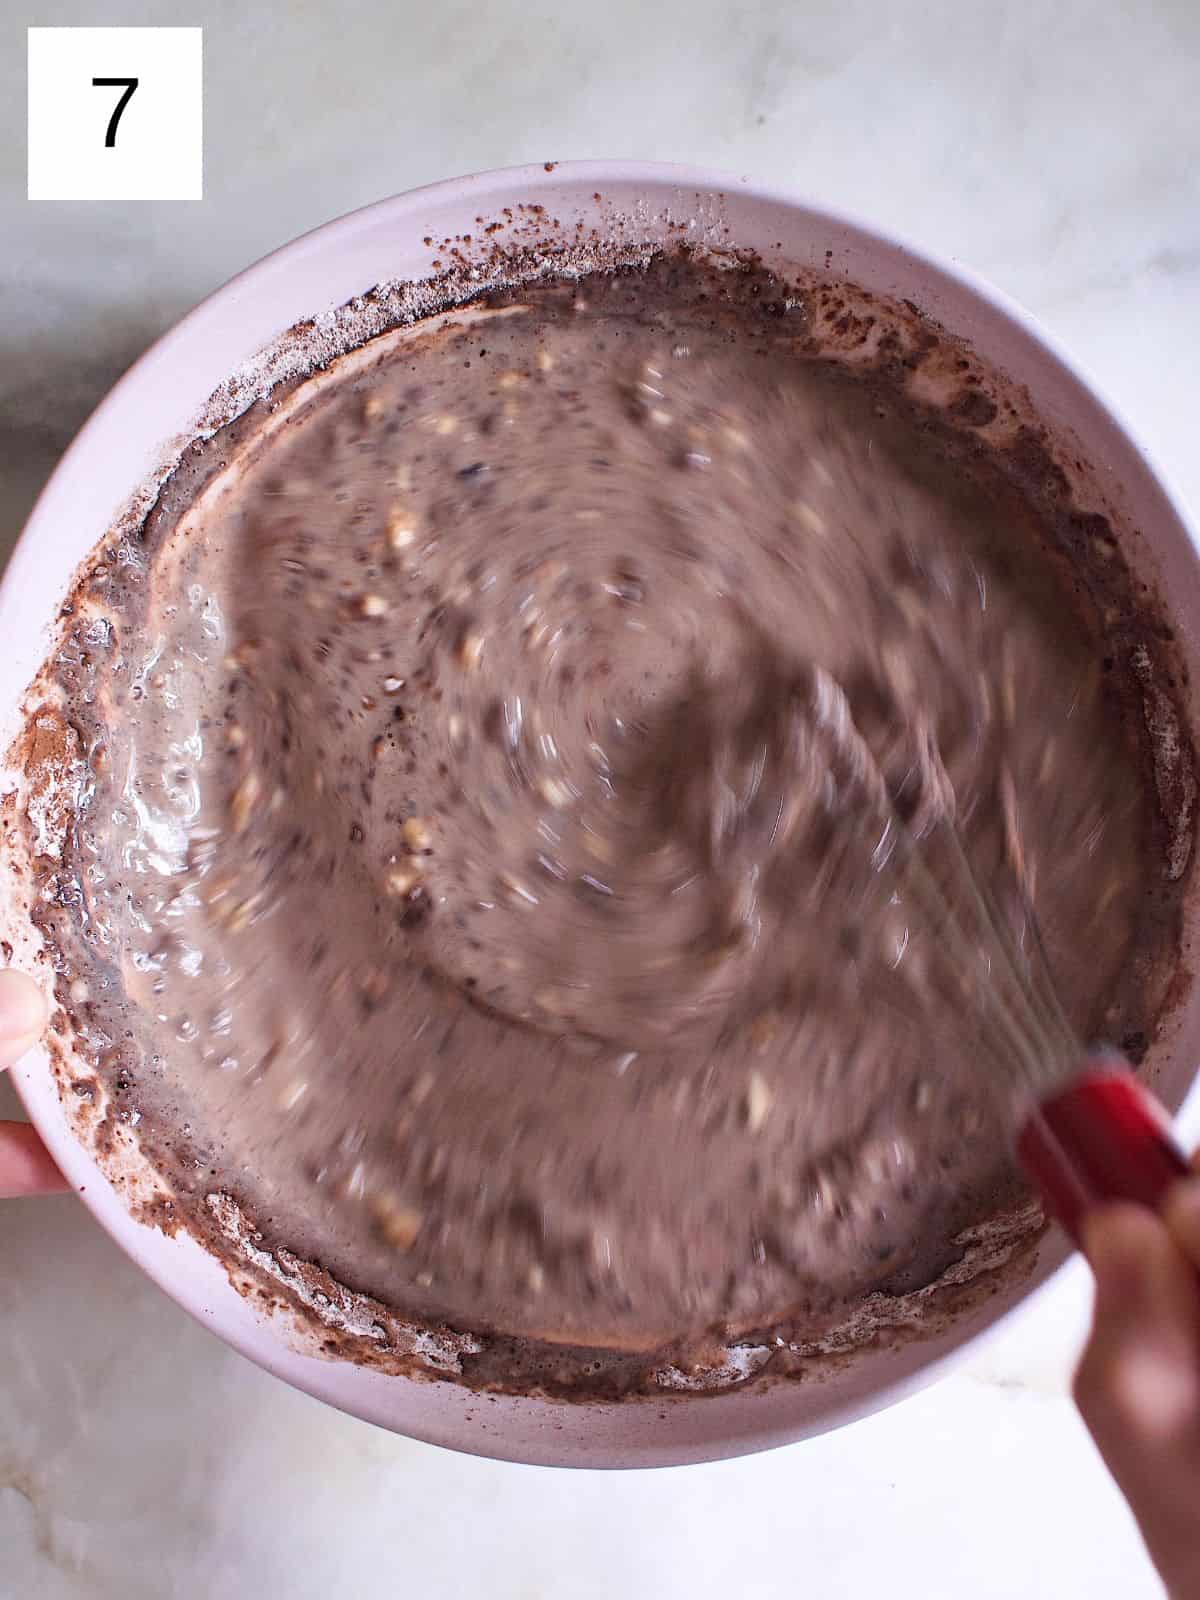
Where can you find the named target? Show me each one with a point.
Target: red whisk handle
(1102, 1138)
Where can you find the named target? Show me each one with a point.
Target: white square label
(115, 114)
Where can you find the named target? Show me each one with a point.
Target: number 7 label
(129, 85)
(115, 114)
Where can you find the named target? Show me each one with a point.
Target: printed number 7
(129, 85)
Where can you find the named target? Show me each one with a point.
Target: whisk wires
(1023, 1031)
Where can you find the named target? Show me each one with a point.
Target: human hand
(1138, 1385)
(25, 1164)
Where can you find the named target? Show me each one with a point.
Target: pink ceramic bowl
(159, 400)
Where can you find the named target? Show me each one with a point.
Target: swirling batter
(495, 917)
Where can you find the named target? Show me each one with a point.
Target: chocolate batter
(475, 877)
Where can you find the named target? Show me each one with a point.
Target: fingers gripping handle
(1103, 1138)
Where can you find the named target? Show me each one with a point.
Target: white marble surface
(1055, 149)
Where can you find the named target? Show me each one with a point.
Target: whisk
(1086, 1130)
